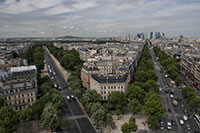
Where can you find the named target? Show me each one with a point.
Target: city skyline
(92, 18)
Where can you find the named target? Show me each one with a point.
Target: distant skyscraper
(151, 35)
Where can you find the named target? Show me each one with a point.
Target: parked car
(182, 105)
(161, 126)
(169, 125)
(188, 126)
(181, 122)
(185, 118)
(173, 122)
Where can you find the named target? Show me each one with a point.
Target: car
(72, 97)
(68, 98)
(172, 82)
(161, 126)
(188, 126)
(55, 85)
(166, 92)
(169, 110)
(185, 118)
(59, 88)
(181, 122)
(173, 122)
(171, 95)
(169, 125)
(161, 121)
(185, 111)
(182, 105)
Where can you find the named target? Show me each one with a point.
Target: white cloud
(97, 17)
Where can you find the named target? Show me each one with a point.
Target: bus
(197, 119)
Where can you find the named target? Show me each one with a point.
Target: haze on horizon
(98, 18)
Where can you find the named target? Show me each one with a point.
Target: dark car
(169, 110)
(188, 126)
(173, 122)
(161, 121)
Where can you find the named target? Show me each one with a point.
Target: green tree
(135, 92)
(50, 117)
(1, 102)
(132, 124)
(189, 93)
(153, 106)
(99, 116)
(141, 76)
(24, 115)
(152, 75)
(178, 80)
(195, 102)
(118, 112)
(117, 99)
(8, 120)
(135, 106)
(90, 96)
(125, 128)
(152, 121)
(150, 85)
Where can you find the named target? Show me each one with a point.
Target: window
(111, 87)
(28, 94)
(31, 94)
(108, 87)
(118, 87)
(104, 97)
(101, 92)
(102, 87)
(108, 92)
(104, 92)
(121, 87)
(114, 87)
(22, 95)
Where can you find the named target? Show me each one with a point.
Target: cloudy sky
(51, 18)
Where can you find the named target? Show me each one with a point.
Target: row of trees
(170, 64)
(189, 93)
(144, 90)
(35, 56)
(91, 100)
(69, 59)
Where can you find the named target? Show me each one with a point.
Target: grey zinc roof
(109, 79)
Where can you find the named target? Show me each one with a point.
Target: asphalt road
(79, 122)
(175, 113)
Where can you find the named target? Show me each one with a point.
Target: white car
(171, 95)
(181, 122)
(172, 82)
(169, 125)
(68, 97)
(185, 118)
